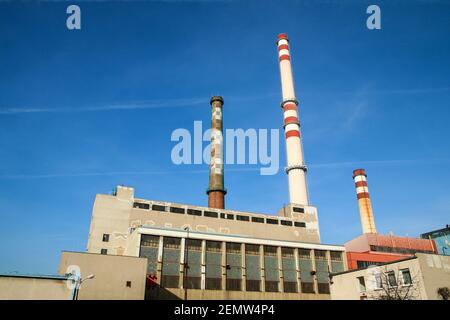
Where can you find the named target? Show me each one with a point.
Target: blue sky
(83, 111)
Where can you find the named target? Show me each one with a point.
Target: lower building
(35, 287)
(420, 277)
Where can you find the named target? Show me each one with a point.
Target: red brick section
(216, 199)
(359, 172)
(354, 257)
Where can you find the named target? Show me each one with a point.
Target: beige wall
(33, 288)
(111, 275)
(115, 215)
(435, 272)
(428, 272)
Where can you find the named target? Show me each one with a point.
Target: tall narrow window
(322, 273)
(362, 284)
(252, 267)
(213, 265)
(337, 263)
(193, 262)
(149, 249)
(171, 262)
(289, 270)
(306, 277)
(234, 267)
(271, 273)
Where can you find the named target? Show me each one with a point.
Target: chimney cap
(359, 172)
(216, 98)
(282, 36)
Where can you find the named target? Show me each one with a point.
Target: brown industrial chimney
(216, 191)
(365, 207)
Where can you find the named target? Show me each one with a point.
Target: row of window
(397, 250)
(387, 280)
(259, 260)
(213, 214)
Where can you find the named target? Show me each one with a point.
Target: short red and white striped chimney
(296, 168)
(365, 207)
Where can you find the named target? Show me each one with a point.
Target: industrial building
(419, 277)
(372, 248)
(196, 252)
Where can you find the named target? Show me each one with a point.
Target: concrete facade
(416, 278)
(29, 287)
(116, 215)
(296, 277)
(116, 277)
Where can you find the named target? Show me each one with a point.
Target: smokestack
(296, 168)
(365, 207)
(216, 191)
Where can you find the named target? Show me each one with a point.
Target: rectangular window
(105, 237)
(391, 279)
(171, 262)
(298, 210)
(211, 214)
(157, 207)
(242, 218)
(252, 267)
(406, 275)
(289, 270)
(362, 284)
(222, 215)
(234, 266)
(194, 212)
(272, 221)
(286, 223)
(300, 224)
(322, 271)
(378, 283)
(193, 266)
(141, 205)
(104, 251)
(337, 263)
(256, 219)
(149, 249)
(213, 276)
(230, 216)
(271, 269)
(305, 265)
(177, 210)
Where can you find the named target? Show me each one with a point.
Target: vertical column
(203, 262)
(216, 190)
(365, 206)
(224, 265)
(296, 168)
(243, 269)
(182, 270)
(280, 271)
(297, 269)
(159, 260)
(263, 269)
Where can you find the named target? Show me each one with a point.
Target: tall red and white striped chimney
(296, 168)
(365, 206)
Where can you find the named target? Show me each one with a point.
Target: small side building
(34, 287)
(414, 278)
(115, 277)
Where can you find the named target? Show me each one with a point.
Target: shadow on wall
(156, 292)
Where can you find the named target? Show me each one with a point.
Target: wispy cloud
(150, 104)
(234, 168)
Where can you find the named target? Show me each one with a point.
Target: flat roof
(238, 238)
(34, 276)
